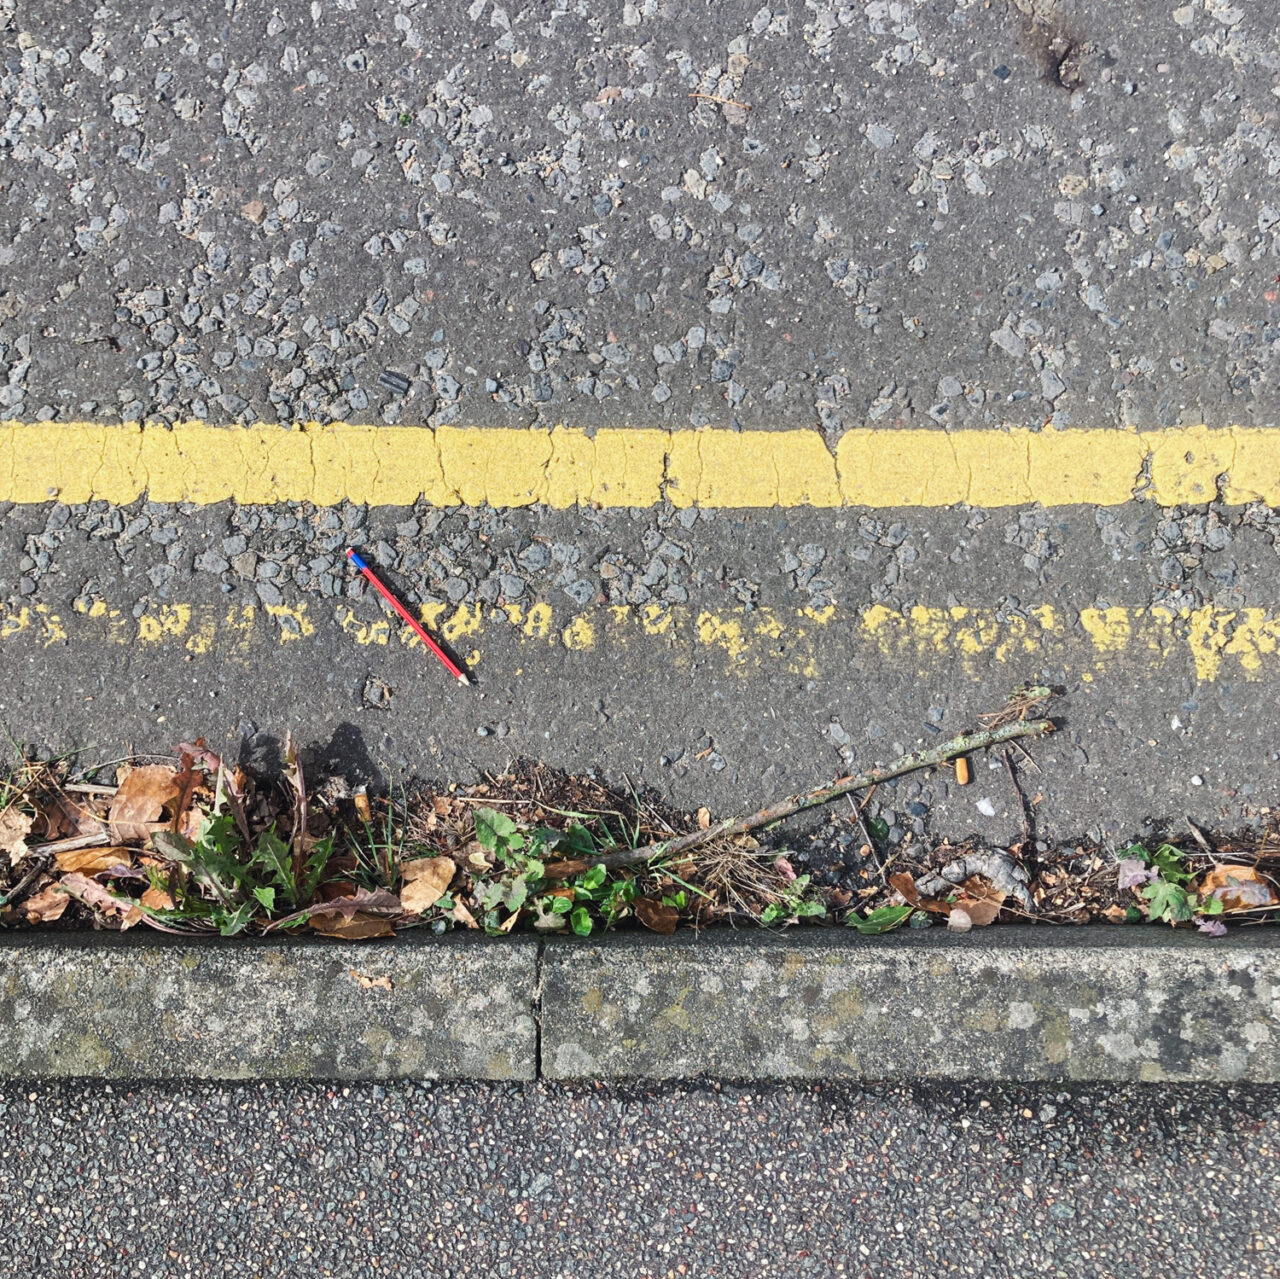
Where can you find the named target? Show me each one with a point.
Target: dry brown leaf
(94, 895)
(564, 868)
(656, 915)
(980, 911)
(371, 983)
(363, 810)
(46, 905)
(510, 922)
(14, 828)
(992, 864)
(332, 889)
(906, 886)
(140, 801)
(157, 899)
(464, 917)
(362, 901)
(190, 822)
(426, 880)
(981, 901)
(188, 780)
(91, 860)
(1238, 888)
(66, 818)
(934, 905)
(357, 927)
(704, 819)
(1116, 914)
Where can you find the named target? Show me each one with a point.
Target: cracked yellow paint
(168, 619)
(725, 631)
(52, 630)
(294, 624)
(579, 635)
(465, 620)
(807, 642)
(634, 467)
(538, 623)
(1110, 629)
(656, 619)
(1185, 464)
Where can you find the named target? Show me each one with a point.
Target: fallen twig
(1023, 806)
(41, 864)
(724, 102)
(866, 835)
(69, 845)
(961, 745)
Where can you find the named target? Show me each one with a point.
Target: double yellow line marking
(810, 642)
(634, 467)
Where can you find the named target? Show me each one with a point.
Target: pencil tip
(462, 679)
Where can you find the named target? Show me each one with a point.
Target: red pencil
(453, 670)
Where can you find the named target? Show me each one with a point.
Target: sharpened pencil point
(462, 679)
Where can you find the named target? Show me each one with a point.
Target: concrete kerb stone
(1011, 1003)
(1007, 1004)
(130, 1006)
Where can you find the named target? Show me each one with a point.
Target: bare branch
(962, 745)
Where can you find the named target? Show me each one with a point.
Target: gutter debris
(203, 846)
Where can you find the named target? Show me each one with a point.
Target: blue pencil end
(356, 560)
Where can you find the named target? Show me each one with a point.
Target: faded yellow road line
(635, 467)
(832, 642)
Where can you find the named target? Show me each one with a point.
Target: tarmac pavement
(650, 217)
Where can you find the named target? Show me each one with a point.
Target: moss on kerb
(745, 1007)
(941, 1007)
(243, 1010)
(82, 1054)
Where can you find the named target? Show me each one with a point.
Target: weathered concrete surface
(1131, 1004)
(1010, 1004)
(126, 1007)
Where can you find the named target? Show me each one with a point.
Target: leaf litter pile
(201, 845)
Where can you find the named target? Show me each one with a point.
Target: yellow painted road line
(832, 642)
(562, 467)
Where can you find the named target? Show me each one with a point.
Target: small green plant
(219, 881)
(579, 902)
(878, 828)
(1166, 891)
(405, 119)
(884, 919)
(794, 904)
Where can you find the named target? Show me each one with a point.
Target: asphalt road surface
(643, 1184)
(651, 216)
(941, 218)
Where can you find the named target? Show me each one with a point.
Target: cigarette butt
(962, 771)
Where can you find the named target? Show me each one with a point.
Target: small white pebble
(1197, 780)
(986, 807)
(959, 921)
